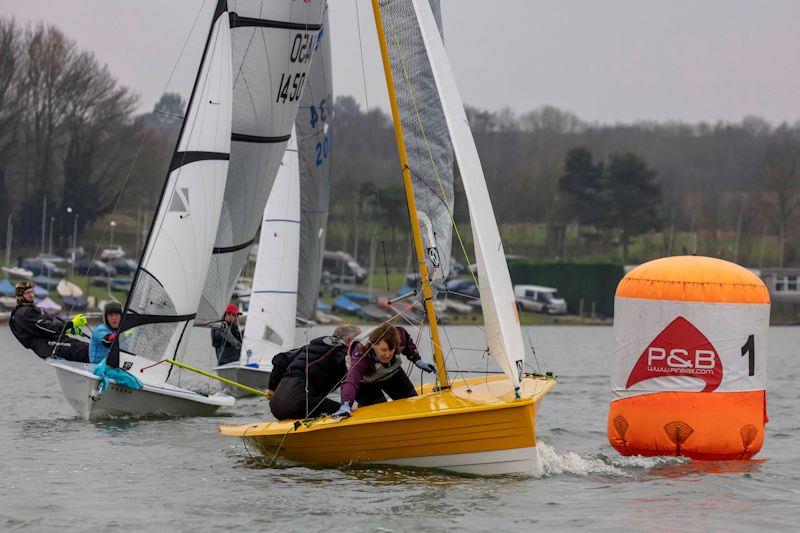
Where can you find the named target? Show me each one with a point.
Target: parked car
(120, 284)
(460, 289)
(341, 267)
(79, 252)
(112, 251)
(124, 266)
(87, 267)
(538, 299)
(42, 267)
(53, 258)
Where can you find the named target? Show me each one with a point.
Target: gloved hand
(425, 366)
(108, 340)
(78, 321)
(343, 412)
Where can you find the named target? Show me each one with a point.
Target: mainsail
(428, 147)
(501, 321)
(273, 42)
(273, 301)
(315, 145)
(163, 299)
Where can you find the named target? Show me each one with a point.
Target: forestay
(273, 301)
(273, 42)
(164, 296)
(315, 146)
(428, 147)
(503, 333)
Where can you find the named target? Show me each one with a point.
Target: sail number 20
(322, 151)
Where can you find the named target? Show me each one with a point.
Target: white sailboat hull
(80, 386)
(524, 461)
(257, 378)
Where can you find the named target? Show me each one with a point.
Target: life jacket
(378, 371)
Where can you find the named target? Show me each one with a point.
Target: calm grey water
(58, 472)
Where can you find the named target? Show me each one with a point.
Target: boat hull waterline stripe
(184, 158)
(249, 22)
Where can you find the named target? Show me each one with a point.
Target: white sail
(273, 301)
(273, 43)
(163, 300)
(503, 333)
(315, 151)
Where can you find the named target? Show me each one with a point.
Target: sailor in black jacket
(317, 367)
(44, 334)
(226, 337)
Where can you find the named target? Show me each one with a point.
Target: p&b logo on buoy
(679, 350)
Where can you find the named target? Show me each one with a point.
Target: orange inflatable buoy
(689, 374)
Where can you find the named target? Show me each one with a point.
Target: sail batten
(241, 137)
(272, 45)
(251, 22)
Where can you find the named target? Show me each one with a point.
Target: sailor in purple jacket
(374, 368)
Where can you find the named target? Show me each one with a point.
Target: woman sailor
(375, 369)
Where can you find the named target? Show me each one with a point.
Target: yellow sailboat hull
(477, 426)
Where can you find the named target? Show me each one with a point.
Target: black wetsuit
(320, 367)
(45, 334)
(227, 341)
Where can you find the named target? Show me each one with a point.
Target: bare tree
(9, 101)
(780, 199)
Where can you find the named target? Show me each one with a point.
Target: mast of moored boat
(427, 293)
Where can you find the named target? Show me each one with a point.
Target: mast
(427, 293)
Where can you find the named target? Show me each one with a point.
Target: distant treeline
(715, 180)
(558, 184)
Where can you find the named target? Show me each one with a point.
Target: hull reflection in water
(477, 427)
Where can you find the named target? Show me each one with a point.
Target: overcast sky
(609, 61)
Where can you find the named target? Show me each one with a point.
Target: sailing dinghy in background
(241, 109)
(482, 425)
(284, 289)
(273, 46)
(270, 323)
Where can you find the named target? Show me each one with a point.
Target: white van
(540, 299)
